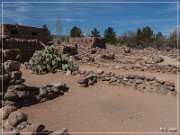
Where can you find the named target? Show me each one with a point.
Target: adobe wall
(25, 39)
(24, 32)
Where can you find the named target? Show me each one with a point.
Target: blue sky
(121, 16)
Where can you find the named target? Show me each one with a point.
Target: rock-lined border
(142, 83)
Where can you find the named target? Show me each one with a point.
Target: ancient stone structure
(87, 42)
(25, 38)
(24, 32)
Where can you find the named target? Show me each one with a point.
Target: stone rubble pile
(15, 95)
(143, 60)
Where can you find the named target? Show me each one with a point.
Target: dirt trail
(101, 108)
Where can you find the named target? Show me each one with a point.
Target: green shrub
(50, 60)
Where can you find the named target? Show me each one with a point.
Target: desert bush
(50, 60)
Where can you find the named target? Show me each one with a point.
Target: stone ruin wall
(24, 32)
(87, 42)
(20, 42)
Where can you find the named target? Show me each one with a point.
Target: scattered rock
(126, 49)
(113, 79)
(172, 129)
(68, 72)
(159, 81)
(16, 75)
(15, 131)
(16, 118)
(83, 82)
(6, 125)
(11, 65)
(8, 103)
(23, 94)
(23, 125)
(100, 71)
(43, 91)
(33, 128)
(150, 78)
(108, 56)
(6, 111)
(10, 96)
(63, 131)
(170, 83)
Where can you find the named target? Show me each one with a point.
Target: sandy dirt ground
(102, 108)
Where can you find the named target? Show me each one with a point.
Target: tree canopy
(76, 32)
(110, 36)
(95, 33)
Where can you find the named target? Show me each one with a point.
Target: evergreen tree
(95, 33)
(159, 39)
(110, 36)
(76, 32)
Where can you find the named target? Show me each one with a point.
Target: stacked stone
(16, 94)
(14, 91)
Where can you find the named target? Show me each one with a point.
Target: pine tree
(95, 33)
(110, 36)
(76, 32)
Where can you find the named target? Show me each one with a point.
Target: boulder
(130, 76)
(170, 82)
(16, 118)
(58, 85)
(5, 78)
(11, 65)
(6, 125)
(126, 49)
(23, 125)
(63, 131)
(19, 81)
(23, 94)
(113, 79)
(43, 91)
(108, 56)
(100, 71)
(20, 87)
(159, 81)
(6, 111)
(15, 131)
(150, 78)
(33, 128)
(68, 72)
(8, 103)
(141, 77)
(83, 82)
(10, 96)
(16, 75)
